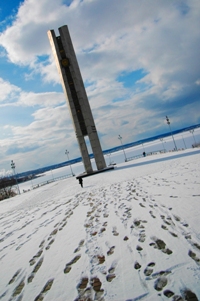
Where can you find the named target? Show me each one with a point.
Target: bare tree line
(6, 187)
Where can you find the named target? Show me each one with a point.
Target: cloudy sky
(139, 60)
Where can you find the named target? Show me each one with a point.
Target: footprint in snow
(139, 248)
(189, 295)
(14, 277)
(34, 258)
(96, 284)
(149, 269)
(137, 265)
(168, 293)
(114, 231)
(51, 238)
(111, 250)
(160, 283)
(160, 245)
(68, 266)
(152, 215)
(44, 291)
(83, 283)
(35, 270)
(142, 236)
(81, 243)
(17, 291)
(111, 272)
(194, 256)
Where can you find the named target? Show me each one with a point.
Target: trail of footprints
(36, 261)
(161, 281)
(171, 223)
(90, 287)
(168, 222)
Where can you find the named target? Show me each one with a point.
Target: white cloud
(48, 71)
(51, 129)
(152, 37)
(11, 95)
(47, 124)
(41, 99)
(8, 90)
(26, 38)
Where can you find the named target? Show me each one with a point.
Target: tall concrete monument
(77, 100)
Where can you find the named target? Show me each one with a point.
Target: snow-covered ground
(132, 233)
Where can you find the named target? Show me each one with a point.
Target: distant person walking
(80, 181)
(144, 154)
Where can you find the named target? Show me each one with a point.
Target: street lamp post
(168, 122)
(67, 153)
(192, 132)
(183, 141)
(161, 139)
(120, 138)
(13, 168)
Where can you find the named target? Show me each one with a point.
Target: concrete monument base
(84, 174)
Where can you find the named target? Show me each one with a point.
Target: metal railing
(146, 154)
(51, 180)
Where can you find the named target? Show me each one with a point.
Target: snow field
(129, 234)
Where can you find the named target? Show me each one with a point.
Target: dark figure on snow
(80, 181)
(144, 154)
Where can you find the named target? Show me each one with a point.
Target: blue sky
(139, 61)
